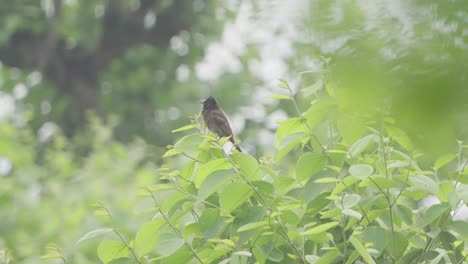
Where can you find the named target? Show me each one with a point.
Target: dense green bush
(48, 194)
(342, 188)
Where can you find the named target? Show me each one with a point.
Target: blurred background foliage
(142, 67)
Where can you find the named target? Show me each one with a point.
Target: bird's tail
(236, 146)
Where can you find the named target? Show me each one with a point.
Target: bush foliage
(354, 194)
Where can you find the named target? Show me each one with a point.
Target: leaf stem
(176, 231)
(284, 232)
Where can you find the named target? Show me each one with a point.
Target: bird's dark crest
(209, 103)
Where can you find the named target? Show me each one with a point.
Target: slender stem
(192, 158)
(61, 255)
(299, 113)
(442, 220)
(284, 232)
(193, 196)
(176, 231)
(119, 235)
(388, 198)
(404, 186)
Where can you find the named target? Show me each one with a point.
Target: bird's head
(210, 103)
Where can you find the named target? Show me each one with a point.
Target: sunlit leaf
(362, 144)
(434, 212)
(320, 228)
(247, 164)
(172, 152)
(375, 235)
(167, 243)
(291, 126)
(348, 201)
(379, 182)
(214, 182)
(208, 168)
(251, 226)
(94, 233)
(444, 160)
(462, 192)
(357, 244)
(184, 128)
(280, 96)
(309, 164)
(109, 250)
(424, 183)
(233, 196)
(146, 237)
(287, 144)
(361, 171)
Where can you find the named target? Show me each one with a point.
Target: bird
(216, 120)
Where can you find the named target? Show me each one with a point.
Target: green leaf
(379, 182)
(444, 160)
(462, 192)
(361, 171)
(208, 219)
(361, 249)
(184, 128)
(400, 136)
(287, 144)
(318, 111)
(48, 256)
(328, 257)
(308, 165)
(445, 189)
(168, 243)
(352, 213)
(313, 189)
(233, 196)
(312, 258)
(461, 227)
(146, 238)
(208, 168)
(320, 228)
(347, 183)
(172, 152)
(282, 80)
(362, 144)
(94, 233)
(251, 226)
(189, 144)
(313, 88)
(182, 255)
(425, 183)
(347, 201)
(405, 213)
(109, 250)
(375, 235)
(289, 127)
(248, 165)
(272, 253)
(280, 96)
(162, 187)
(434, 212)
(400, 247)
(214, 182)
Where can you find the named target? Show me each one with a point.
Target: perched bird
(216, 120)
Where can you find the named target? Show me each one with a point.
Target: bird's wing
(223, 128)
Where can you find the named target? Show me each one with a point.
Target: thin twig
(192, 158)
(119, 235)
(176, 231)
(284, 232)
